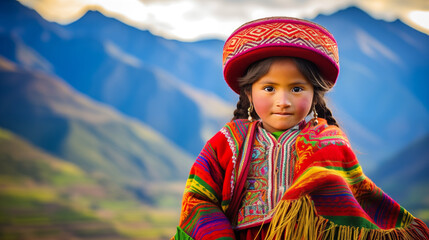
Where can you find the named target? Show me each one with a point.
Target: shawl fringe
(297, 219)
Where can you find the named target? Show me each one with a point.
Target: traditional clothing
(307, 184)
(270, 174)
(329, 197)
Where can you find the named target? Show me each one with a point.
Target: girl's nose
(283, 100)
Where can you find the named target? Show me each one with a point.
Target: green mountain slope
(405, 178)
(54, 117)
(91, 163)
(44, 197)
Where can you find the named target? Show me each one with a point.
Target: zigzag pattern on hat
(280, 32)
(278, 40)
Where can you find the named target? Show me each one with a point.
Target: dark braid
(312, 73)
(322, 109)
(307, 68)
(241, 112)
(242, 105)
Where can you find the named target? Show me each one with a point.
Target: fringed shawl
(330, 197)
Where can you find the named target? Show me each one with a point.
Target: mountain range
(379, 98)
(129, 111)
(131, 70)
(65, 123)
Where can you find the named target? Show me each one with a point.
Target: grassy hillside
(44, 197)
(95, 137)
(79, 169)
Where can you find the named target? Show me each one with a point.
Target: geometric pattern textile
(270, 174)
(330, 197)
(279, 36)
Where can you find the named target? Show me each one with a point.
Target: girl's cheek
(259, 107)
(262, 105)
(304, 104)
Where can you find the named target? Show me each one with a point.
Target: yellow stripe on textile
(195, 187)
(297, 219)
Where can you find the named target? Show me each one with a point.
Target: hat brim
(236, 67)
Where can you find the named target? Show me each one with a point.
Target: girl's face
(283, 97)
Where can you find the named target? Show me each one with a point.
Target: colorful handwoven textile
(330, 197)
(270, 174)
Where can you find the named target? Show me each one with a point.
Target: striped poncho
(330, 197)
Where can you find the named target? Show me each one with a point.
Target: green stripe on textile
(399, 221)
(181, 235)
(352, 221)
(404, 218)
(351, 179)
(338, 141)
(343, 169)
(231, 133)
(203, 184)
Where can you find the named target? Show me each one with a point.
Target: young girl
(273, 172)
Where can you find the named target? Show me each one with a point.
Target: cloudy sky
(190, 20)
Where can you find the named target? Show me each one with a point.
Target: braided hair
(258, 69)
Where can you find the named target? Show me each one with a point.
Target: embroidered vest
(270, 175)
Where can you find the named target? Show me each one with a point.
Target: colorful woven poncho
(330, 197)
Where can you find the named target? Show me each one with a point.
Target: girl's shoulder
(227, 142)
(238, 126)
(323, 145)
(322, 135)
(233, 132)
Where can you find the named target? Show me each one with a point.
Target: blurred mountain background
(100, 122)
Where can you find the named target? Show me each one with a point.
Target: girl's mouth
(282, 113)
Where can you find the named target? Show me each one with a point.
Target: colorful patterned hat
(279, 36)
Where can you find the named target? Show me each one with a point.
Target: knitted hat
(279, 36)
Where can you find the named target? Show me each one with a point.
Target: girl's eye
(296, 89)
(269, 89)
